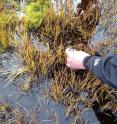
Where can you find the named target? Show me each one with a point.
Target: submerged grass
(60, 31)
(10, 115)
(68, 85)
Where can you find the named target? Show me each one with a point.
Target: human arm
(104, 68)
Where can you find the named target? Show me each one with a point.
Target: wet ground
(47, 110)
(105, 117)
(36, 102)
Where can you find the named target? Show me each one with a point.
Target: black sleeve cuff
(104, 68)
(89, 61)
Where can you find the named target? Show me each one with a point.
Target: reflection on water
(48, 111)
(99, 36)
(100, 41)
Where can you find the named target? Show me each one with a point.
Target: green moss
(36, 12)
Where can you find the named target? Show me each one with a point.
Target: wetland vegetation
(36, 86)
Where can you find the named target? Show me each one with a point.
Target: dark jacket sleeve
(104, 68)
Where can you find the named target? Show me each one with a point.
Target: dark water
(101, 36)
(106, 117)
(48, 111)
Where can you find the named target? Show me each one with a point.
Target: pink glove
(75, 58)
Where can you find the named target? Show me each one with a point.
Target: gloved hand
(75, 58)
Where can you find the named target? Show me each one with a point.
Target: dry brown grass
(61, 31)
(68, 84)
(8, 22)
